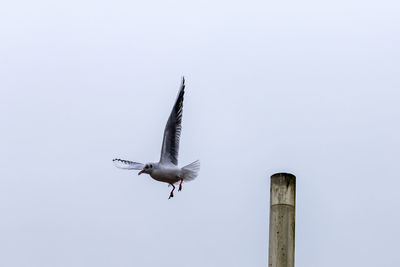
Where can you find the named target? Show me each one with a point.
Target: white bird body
(167, 174)
(167, 170)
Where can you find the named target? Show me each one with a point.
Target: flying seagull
(167, 170)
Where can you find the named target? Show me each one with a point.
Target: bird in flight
(167, 170)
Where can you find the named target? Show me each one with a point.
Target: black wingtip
(182, 86)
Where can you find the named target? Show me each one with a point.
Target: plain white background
(306, 87)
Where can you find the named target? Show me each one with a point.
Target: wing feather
(172, 132)
(128, 165)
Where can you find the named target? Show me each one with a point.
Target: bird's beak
(142, 171)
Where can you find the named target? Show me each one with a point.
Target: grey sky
(310, 88)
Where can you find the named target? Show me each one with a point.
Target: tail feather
(191, 171)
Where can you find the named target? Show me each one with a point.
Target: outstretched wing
(172, 132)
(128, 165)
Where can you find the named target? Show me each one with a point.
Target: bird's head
(148, 168)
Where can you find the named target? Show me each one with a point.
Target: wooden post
(282, 220)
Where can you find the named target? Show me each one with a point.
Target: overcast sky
(307, 87)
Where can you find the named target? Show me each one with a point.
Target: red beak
(142, 171)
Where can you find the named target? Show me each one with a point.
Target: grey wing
(172, 132)
(128, 165)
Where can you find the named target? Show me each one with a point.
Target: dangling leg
(180, 185)
(172, 192)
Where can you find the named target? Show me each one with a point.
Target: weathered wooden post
(282, 220)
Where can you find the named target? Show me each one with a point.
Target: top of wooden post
(283, 189)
